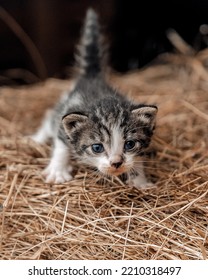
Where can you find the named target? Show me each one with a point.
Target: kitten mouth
(114, 171)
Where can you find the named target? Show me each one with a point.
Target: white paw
(141, 183)
(147, 185)
(57, 175)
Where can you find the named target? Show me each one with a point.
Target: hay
(92, 219)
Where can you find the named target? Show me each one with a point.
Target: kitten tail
(90, 51)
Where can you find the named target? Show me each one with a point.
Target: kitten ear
(73, 121)
(146, 114)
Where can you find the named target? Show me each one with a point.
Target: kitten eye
(97, 148)
(129, 145)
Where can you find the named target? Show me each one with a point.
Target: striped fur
(90, 52)
(95, 114)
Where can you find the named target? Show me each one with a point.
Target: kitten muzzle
(116, 169)
(116, 164)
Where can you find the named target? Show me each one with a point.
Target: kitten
(94, 124)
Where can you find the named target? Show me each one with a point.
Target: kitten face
(111, 137)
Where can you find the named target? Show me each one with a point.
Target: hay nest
(92, 219)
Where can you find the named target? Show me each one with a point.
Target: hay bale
(89, 218)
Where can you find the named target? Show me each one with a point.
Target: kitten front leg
(58, 170)
(138, 178)
(45, 132)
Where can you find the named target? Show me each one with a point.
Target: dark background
(136, 31)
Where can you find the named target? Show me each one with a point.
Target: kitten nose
(116, 164)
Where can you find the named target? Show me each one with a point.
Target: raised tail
(90, 57)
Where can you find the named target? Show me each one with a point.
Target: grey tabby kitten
(94, 124)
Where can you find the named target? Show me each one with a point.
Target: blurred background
(38, 37)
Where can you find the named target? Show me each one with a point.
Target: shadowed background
(136, 31)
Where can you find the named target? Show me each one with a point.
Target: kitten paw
(141, 183)
(57, 176)
(147, 185)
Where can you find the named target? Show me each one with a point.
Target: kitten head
(112, 136)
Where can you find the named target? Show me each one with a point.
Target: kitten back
(90, 51)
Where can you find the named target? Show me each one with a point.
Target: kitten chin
(94, 124)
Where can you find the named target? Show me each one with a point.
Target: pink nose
(116, 164)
